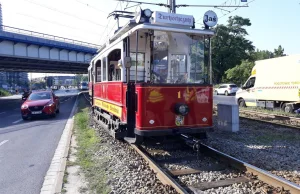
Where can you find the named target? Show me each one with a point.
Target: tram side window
(98, 75)
(114, 72)
(140, 66)
(104, 69)
(98, 71)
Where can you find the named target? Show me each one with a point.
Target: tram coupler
(191, 142)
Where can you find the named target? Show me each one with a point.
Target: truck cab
(246, 95)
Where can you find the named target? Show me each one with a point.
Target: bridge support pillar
(228, 117)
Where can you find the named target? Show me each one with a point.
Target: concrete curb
(54, 178)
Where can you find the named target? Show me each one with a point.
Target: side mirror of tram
(127, 61)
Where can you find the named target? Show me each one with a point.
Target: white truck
(274, 83)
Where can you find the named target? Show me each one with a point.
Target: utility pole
(171, 6)
(210, 64)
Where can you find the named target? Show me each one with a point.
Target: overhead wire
(57, 23)
(92, 7)
(236, 9)
(215, 8)
(229, 12)
(53, 9)
(102, 36)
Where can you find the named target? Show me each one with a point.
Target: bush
(4, 92)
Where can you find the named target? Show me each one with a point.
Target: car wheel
(287, 108)
(57, 111)
(24, 118)
(226, 93)
(241, 102)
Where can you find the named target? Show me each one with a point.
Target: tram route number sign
(210, 18)
(159, 17)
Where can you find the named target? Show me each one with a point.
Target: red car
(40, 103)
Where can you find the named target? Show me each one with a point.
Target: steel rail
(163, 176)
(262, 175)
(275, 116)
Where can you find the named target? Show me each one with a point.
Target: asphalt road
(224, 99)
(27, 147)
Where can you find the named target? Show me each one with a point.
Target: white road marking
(2, 113)
(3, 142)
(18, 121)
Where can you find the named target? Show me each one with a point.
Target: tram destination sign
(171, 18)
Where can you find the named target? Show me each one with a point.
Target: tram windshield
(177, 58)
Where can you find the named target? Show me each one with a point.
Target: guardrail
(47, 36)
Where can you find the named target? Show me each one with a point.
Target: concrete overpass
(28, 51)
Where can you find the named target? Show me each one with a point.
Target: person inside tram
(184, 79)
(111, 74)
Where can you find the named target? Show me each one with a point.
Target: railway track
(282, 120)
(86, 96)
(248, 172)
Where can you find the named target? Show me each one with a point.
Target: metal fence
(47, 36)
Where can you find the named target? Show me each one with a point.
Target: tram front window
(177, 58)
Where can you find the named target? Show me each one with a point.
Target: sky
(274, 22)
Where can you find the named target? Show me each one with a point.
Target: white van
(273, 83)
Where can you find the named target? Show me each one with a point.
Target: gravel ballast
(270, 147)
(126, 171)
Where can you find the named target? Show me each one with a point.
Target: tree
(240, 73)
(261, 55)
(279, 52)
(84, 78)
(229, 46)
(80, 77)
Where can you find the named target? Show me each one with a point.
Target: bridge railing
(47, 36)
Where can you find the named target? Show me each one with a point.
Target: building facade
(13, 80)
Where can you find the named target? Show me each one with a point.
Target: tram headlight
(148, 13)
(181, 109)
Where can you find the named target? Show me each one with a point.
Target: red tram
(151, 78)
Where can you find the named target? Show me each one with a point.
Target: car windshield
(84, 84)
(233, 86)
(40, 96)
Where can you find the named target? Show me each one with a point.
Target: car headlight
(181, 109)
(25, 106)
(50, 104)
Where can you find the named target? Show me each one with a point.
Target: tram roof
(132, 26)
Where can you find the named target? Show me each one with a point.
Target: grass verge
(88, 144)
(4, 93)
